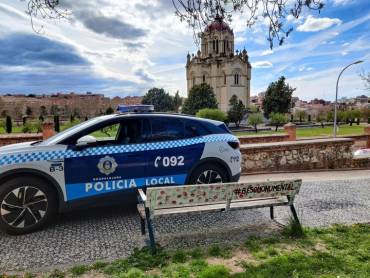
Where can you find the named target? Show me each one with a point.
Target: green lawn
(314, 131)
(338, 251)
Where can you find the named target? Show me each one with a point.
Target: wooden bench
(214, 197)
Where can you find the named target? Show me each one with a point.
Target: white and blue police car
(109, 156)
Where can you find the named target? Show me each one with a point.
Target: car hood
(16, 148)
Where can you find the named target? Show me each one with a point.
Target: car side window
(166, 129)
(109, 132)
(131, 132)
(101, 135)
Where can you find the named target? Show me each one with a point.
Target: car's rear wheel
(208, 173)
(26, 204)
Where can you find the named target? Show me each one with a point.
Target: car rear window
(195, 129)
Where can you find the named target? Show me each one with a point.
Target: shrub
(213, 114)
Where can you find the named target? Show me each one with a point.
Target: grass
(337, 251)
(314, 131)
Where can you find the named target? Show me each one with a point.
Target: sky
(123, 48)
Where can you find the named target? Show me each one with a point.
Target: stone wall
(298, 155)
(19, 138)
(263, 138)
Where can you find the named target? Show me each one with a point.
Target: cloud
(262, 64)
(63, 78)
(111, 27)
(27, 49)
(267, 52)
(144, 76)
(313, 24)
(341, 2)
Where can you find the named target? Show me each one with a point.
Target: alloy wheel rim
(209, 176)
(24, 206)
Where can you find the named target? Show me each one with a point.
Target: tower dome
(218, 25)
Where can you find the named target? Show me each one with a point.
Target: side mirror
(86, 141)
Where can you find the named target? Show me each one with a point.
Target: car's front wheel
(26, 204)
(208, 173)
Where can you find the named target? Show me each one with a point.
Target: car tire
(208, 173)
(27, 204)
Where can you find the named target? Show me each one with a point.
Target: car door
(175, 153)
(115, 163)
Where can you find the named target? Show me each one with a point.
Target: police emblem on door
(107, 165)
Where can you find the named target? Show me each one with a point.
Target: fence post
(367, 132)
(47, 130)
(291, 130)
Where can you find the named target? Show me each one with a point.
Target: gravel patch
(111, 233)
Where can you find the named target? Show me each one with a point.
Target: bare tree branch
(44, 9)
(366, 78)
(199, 13)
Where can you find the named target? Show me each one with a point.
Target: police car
(108, 156)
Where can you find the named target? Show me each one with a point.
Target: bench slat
(213, 207)
(209, 194)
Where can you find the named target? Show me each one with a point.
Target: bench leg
(272, 213)
(150, 230)
(295, 216)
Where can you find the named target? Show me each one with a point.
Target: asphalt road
(110, 233)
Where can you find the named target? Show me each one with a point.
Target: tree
(54, 110)
(28, 111)
(255, 119)
(43, 111)
(301, 115)
(177, 101)
(8, 124)
(4, 113)
(320, 118)
(200, 13)
(213, 114)
(109, 111)
(161, 100)
(200, 96)
(278, 119)
(237, 110)
(278, 97)
(56, 123)
(350, 116)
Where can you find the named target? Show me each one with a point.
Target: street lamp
(336, 95)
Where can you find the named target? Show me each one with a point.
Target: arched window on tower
(204, 78)
(225, 80)
(236, 78)
(217, 46)
(214, 45)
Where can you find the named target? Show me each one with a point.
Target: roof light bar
(134, 108)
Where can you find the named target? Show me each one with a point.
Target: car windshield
(72, 130)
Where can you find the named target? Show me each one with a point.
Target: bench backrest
(203, 194)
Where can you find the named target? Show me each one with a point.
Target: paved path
(109, 233)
